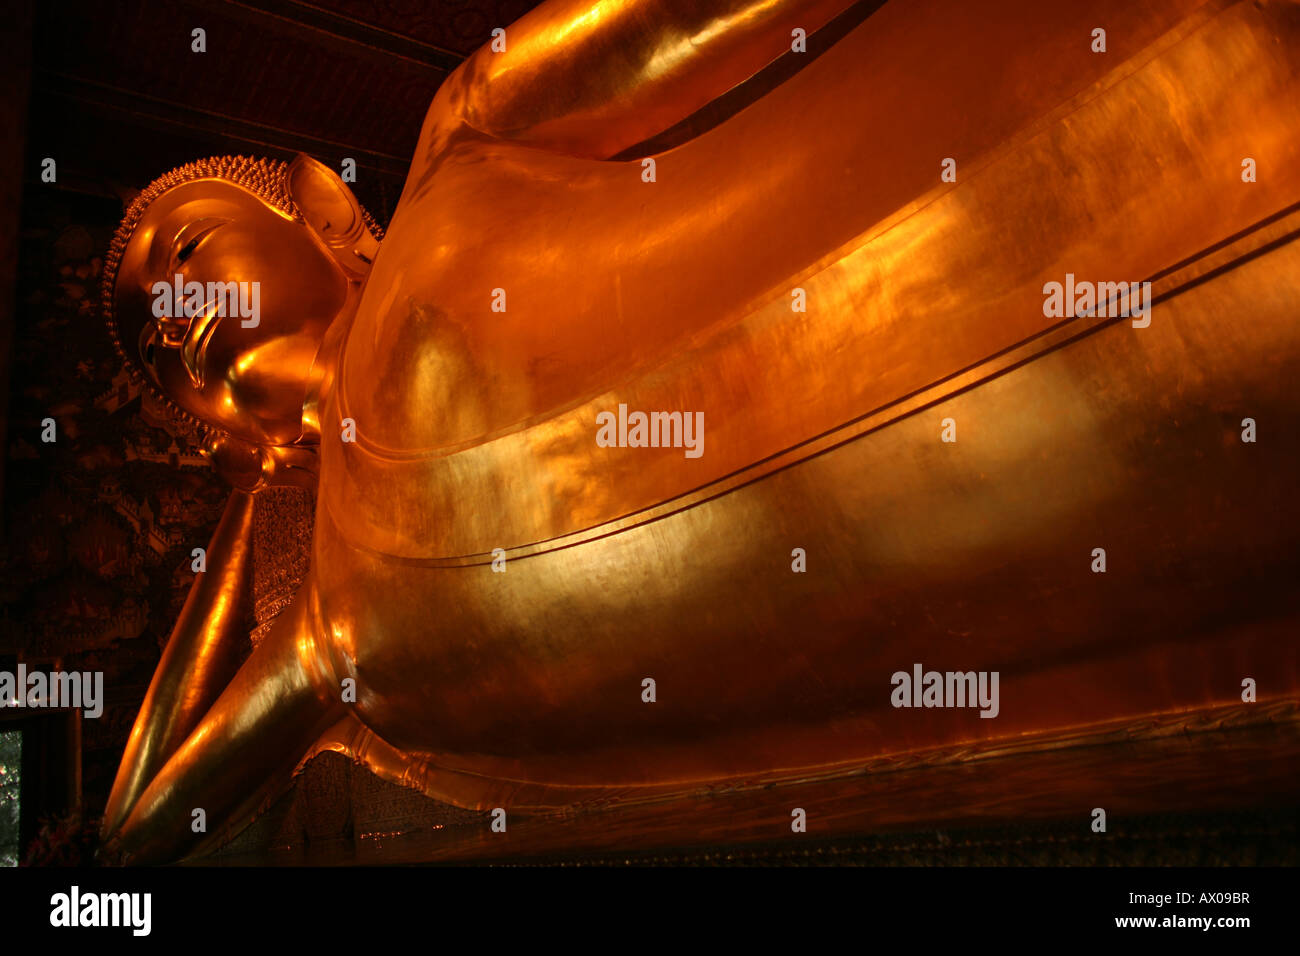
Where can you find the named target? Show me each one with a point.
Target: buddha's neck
(320, 380)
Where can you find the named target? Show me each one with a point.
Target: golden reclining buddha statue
(725, 366)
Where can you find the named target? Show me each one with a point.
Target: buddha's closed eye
(189, 238)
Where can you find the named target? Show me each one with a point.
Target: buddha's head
(220, 286)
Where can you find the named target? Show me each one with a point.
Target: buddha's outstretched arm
(199, 661)
(243, 749)
(593, 77)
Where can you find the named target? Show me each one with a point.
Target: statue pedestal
(1180, 789)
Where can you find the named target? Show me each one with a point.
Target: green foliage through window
(11, 752)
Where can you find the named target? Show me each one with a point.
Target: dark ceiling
(119, 97)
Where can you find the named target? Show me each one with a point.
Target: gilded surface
(441, 430)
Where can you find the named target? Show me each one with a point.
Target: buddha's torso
(476, 429)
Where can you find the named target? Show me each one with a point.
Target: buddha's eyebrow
(158, 257)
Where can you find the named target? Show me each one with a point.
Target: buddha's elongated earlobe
(333, 213)
(250, 467)
(238, 462)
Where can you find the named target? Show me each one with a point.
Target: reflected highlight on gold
(444, 437)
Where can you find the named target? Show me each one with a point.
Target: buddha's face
(237, 355)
